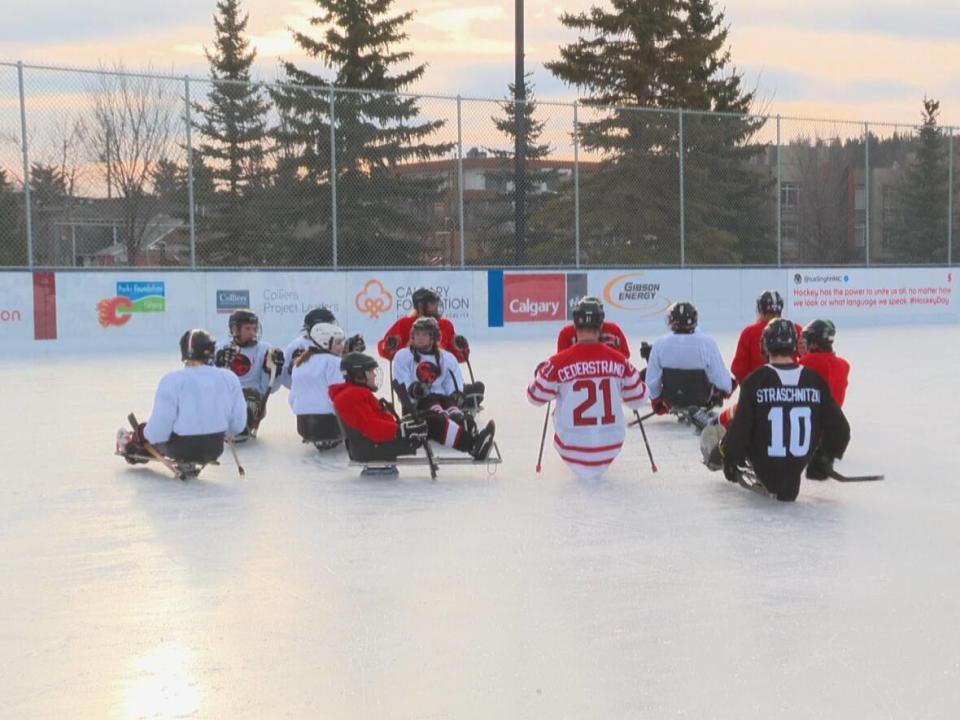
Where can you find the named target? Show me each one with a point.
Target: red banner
(534, 297)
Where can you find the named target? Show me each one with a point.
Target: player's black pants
(193, 448)
(318, 428)
(785, 489)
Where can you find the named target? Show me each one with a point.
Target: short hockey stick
(153, 452)
(543, 436)
(653, 465)
(854, 478)
(236, 457)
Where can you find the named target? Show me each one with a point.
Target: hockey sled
(184, 470)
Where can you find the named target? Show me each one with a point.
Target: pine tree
(498, 219)
(13, 240)
(234, 132)
(382, 216)
(924, 194)
(640, 61)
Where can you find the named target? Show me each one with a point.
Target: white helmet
(326, 335)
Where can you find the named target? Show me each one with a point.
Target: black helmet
(780, 337)
(318, 315)
(588, 313)
(819, 335)
(197, 345)
(422, 296)
(770, 303)
(426, 324)
(243, 317)
(354, 367)
(682, 317)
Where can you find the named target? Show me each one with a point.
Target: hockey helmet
(819, 335)
(682, 317)
(197, 345)
(326, 336)
(423, 296)
(239, 318)
(427, 325)
(318, 315)
(588, 313)
(770, 302)
(355, 367)
(780, 337)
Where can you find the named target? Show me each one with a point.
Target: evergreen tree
(497, 223)
(13, 240)
(234, 132)
(383, 217)
(924, 195)
(640, 61)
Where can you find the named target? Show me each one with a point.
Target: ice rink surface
(304, 591)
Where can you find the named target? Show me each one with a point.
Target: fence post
(333, 173)
(460, 180)
(576, 185)
(26, 166)
(683, 229)
(779, 199)
(866, 193)
(950, 198)
(190, 198)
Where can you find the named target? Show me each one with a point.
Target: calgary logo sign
(633, 292)
(373, 299)
(132, 297)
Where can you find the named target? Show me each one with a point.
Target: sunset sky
(817, 58)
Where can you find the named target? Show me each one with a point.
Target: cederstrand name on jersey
(590, 368)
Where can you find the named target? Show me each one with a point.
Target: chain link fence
(102, 168)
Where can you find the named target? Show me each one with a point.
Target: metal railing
(105, 168)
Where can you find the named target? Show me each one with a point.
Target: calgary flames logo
(374, 299)
(108, 311)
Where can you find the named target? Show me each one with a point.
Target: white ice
(304, 591)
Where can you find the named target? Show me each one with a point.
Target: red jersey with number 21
(589, 383)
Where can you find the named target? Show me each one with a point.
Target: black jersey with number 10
(785, 412)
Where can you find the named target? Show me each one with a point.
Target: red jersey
(610, 334)
(832, 368)
(588, 382)
(401, 328)
(750, 353)
(359, 408)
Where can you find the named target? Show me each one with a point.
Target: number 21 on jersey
(593, 388)
(799, 419)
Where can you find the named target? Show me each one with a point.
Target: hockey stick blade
(854, 478)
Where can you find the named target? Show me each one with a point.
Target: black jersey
(785, 412)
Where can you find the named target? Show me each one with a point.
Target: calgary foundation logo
(632, 292)
(373, 299)
(131, 297)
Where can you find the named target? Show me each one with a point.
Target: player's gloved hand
(225, 355)
(457, 399)
(274, 357)
(541, 366)
(730, 471)
(463, 345)
(659, 406)
(355, 343)
(418, 390)
(392, 343)
(645, 349)
(820, 466)
(413, 429)
(296, 353)
(611, 340)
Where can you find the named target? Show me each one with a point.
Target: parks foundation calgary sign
(131, 298)
(637, 292)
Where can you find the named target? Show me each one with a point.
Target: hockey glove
(659, 406)
(610, 340)
(413, 429)
(224, 357)
(463, 345)
(274, 357)
(356, 343)
(473, 395)
(820, 466)
(645, 349)
(392, 343)
(418, 390)
(457, 399)
(296, 353)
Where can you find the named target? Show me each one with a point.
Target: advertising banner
(16, 306)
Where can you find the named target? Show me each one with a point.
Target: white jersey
(589, 383)
(410, 367)
(197, 400)
(248, 366)
(309, 391)
(300, 343)
(687, 351)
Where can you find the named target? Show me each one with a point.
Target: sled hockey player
(819, 336)
(300, 343)
(610, 332)
(194, 408)
(375, 420)
(750, 355)
(786, 411)
(426, 303)
(429, 381)
(315, 370)
(588, 381)
(255, 363)
(673, 356)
